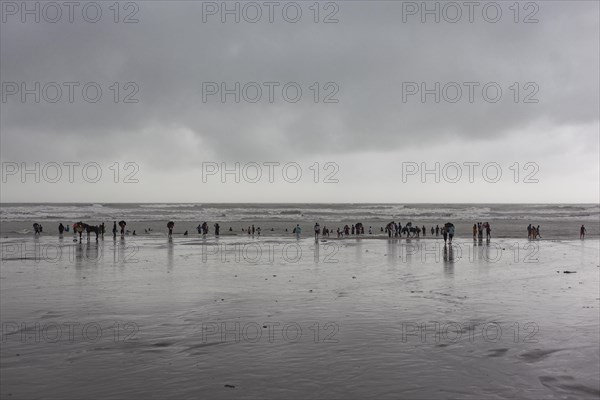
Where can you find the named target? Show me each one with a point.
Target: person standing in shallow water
(450, 233)
(61, 228)
(437, 230)
(317, 230)
(582, 232)
(170, 226)
(114, 229)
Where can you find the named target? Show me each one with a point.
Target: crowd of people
(392, 229)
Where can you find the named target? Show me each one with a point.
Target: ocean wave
(325, 212)
(159, 206)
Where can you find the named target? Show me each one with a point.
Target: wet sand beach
(286, 318)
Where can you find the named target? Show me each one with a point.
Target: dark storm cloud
(368, 54)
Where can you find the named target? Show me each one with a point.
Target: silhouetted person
(122, 224)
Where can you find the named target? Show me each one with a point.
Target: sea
(558, 221)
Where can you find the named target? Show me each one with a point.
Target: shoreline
(553, 230)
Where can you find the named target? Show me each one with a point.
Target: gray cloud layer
(368, 54)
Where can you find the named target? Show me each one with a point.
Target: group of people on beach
(393, 229)
(533, 232)
(251, 230)
(397, 230)
(479, 228)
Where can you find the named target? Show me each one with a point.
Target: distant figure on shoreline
(450, 228)
(114, 229)
(474, 232)
(444, 234)
(297, 230)
(217, 228)
(317, 231)
(424, 231)
(437, 230)
(170, 226)
(185, 233)
(582, 232)
(389, 228)
(36, 229)
(204, 228)
(432, 231)
(488, 231)
(61, 228)
(122, 224)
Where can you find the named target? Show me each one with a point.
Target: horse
(96, 229)
(79, 227)
(410, 231)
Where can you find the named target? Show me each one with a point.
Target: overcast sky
(370, 138)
